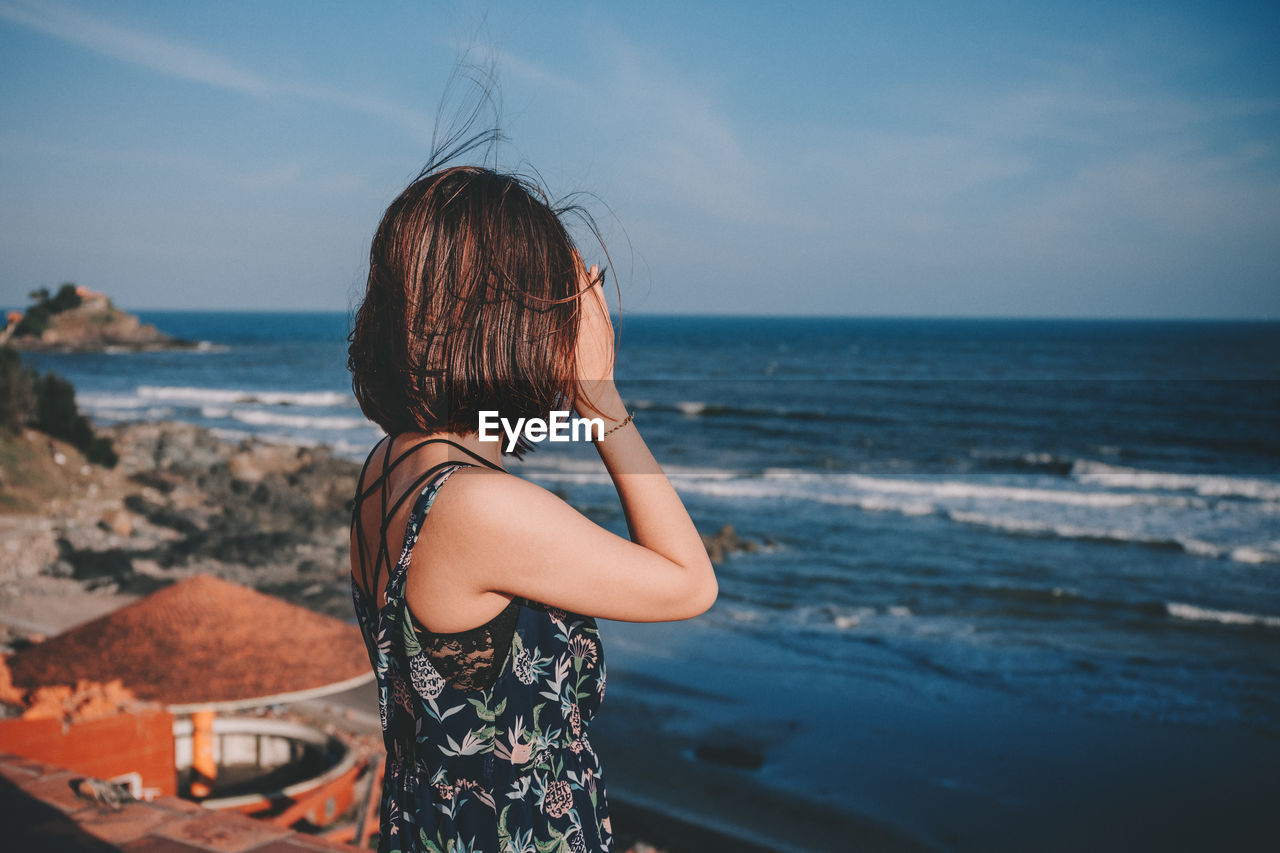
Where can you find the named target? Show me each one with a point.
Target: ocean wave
(591, 470)
(255, 417)
(1207, 485)
(691, 408)
(109, 413)
(846, 618)
(1192, 613)
(1191, 524)
(702, 409)
(1040, 463)
(195, 397)
(953, 489)
(1255, 555)
(228, 396)
(1191, 545)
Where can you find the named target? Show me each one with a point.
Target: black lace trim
(472, 659)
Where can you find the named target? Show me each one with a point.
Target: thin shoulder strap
(434, 478)
(382, 484)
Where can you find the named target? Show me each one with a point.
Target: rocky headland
(77, 319)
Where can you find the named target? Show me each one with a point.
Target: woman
(478, 601)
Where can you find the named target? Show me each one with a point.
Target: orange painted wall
(140, 742)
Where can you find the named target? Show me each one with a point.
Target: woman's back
(485, 730)
(478, 303)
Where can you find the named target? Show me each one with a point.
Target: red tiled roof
(203, 641)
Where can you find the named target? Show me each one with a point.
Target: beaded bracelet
(618, 426)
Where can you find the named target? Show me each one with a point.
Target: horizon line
(1119, 318)
(1123, 318)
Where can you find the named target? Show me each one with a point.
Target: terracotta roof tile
(202, 641)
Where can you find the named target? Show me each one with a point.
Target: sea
(1079, 516)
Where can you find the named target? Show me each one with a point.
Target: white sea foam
(113, 413)
(953, 489)
(1198, 547)
(1039, 527)
(1256, 555)
(1193, 524)
(1208, 485)
(551, 466)
(150, 395)
(1193, 613)
(255, 417)
(230, 396)
(110, 402)
(692, 408)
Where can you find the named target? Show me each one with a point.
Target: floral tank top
(507, 768)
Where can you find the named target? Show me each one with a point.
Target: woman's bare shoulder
(483, 498)
(507, 535)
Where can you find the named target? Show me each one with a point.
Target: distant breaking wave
(1209, 485)
(314, 399)
(149, 395)
(1224, 617)
(1191, 523)
(276, 419)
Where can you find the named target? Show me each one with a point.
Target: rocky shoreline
(182, 502)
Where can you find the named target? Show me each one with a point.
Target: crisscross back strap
(369, 576)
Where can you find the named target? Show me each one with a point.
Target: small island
(77, 319)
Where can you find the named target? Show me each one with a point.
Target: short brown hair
(471, 305)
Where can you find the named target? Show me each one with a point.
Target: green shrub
(16, 400)
(56, 414)
(38, 316)
(66, 299)
(102, 452)
(34, 322)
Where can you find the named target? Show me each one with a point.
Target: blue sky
(1001, 159)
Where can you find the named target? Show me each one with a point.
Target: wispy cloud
(180, 60)
(676, 141)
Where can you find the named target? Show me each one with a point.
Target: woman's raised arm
(522, 540)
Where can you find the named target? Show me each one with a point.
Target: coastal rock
(182, 501)
(120, 523)
(92, 325)
(724, 542)
(256, 462)
(168, 446)
(27, 547)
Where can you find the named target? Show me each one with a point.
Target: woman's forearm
(656, 517)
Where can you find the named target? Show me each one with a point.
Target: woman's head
(471, 305)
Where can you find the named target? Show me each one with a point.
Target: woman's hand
(595, 355)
